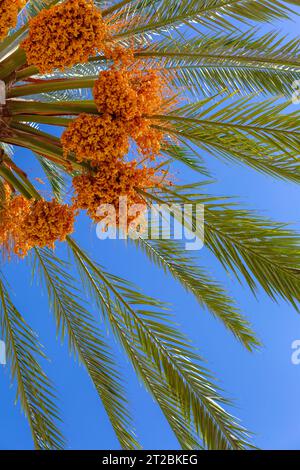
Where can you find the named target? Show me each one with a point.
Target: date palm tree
(238, 84)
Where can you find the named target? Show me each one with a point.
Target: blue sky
(264, 385)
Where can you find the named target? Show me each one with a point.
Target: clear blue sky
(265, 385)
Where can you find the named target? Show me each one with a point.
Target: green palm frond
(263, 135)
(85, 341)
(141, 323)
(174, 259)
(165, 15)
(154, 380)
(55, 177)
(164, 395)
(186, 154)
(34, 390)
(260, 250)
(247, 61)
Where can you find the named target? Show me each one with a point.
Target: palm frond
(34, 390)
(171, 256)
(55, 177)
(163, 393)
(153, 379)
(260, 250)
(165, 15)
(186, 154)
(85, 341)
(246, 61)
(140, 323)
(263, 135)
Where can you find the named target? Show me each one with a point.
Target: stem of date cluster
(50, 120)
(47, 86)
(32, 190)
(43, 144)
(36, 143)
(40, 135)
(11, 63)
(14, 181)
(65, 108)
(26, 72)
(30, 71)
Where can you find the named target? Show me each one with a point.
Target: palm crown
(175, 78)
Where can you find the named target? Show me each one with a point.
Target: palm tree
(237, 84)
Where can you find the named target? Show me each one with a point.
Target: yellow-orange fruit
(45, 223)
(109, 183)
(114, 95)
(133, 96)
(13, 211)
(96, 138)
(66, 34)
(119, 54)
(8, 15)
(25, 224)
(148, 139)
(128, 94)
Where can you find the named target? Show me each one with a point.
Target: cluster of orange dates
(126, 98)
